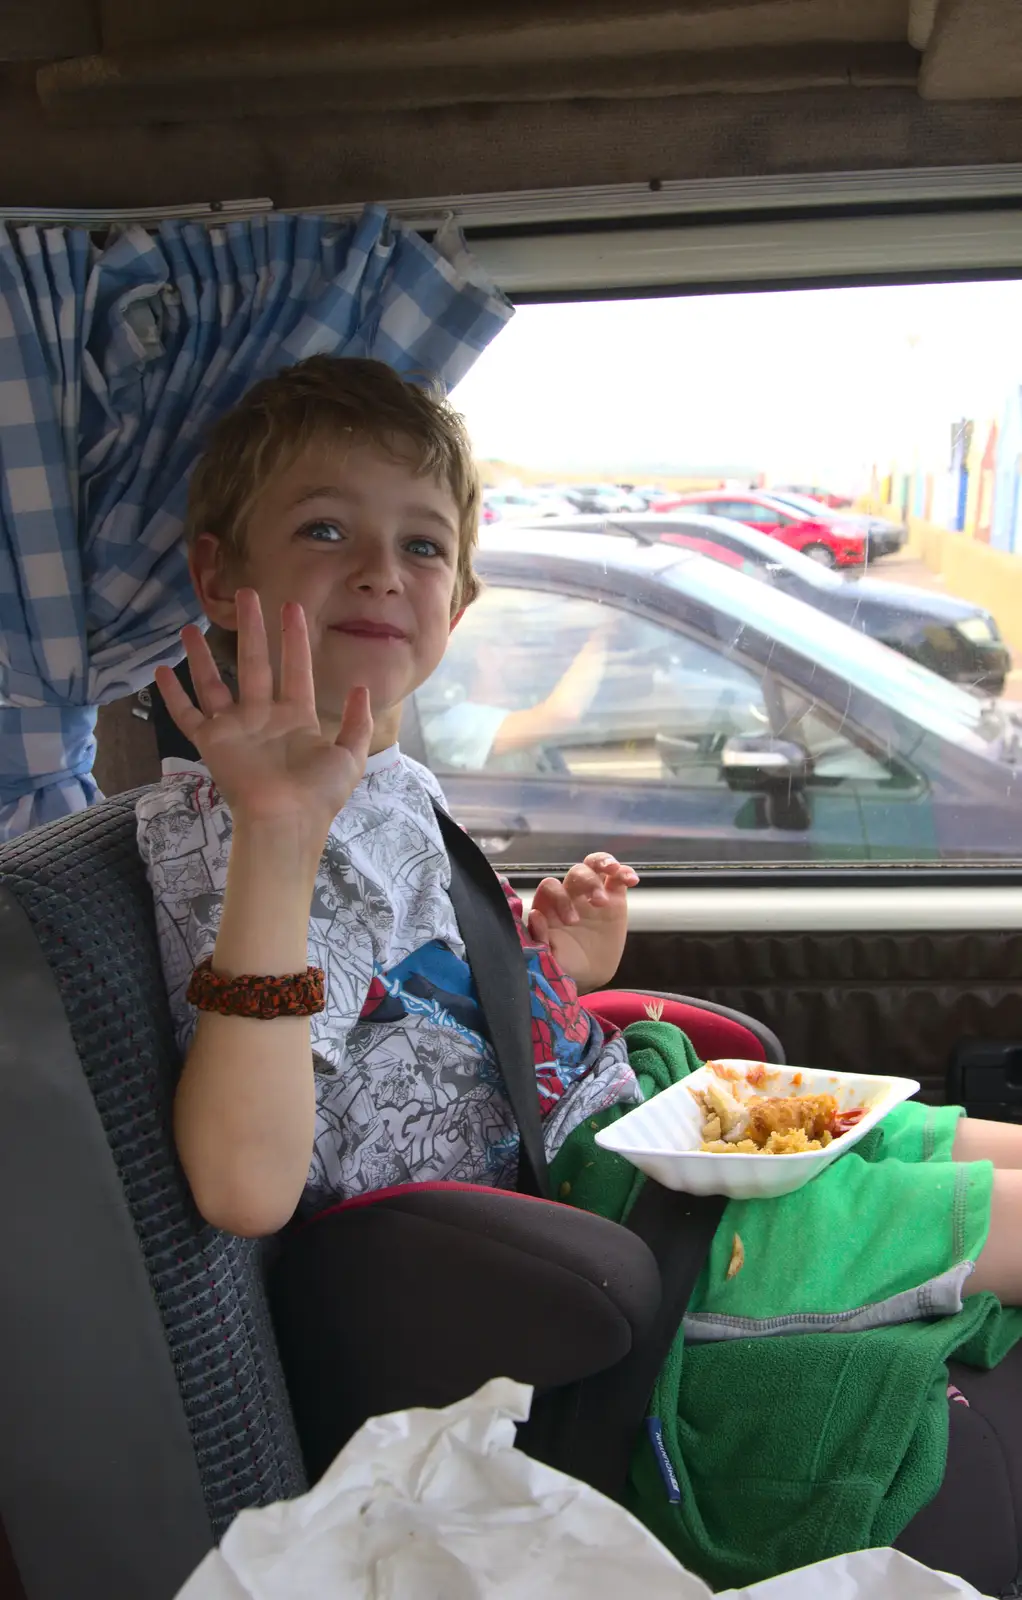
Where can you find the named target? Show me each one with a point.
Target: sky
(806, 384)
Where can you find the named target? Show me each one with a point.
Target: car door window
(837, 758)
(741, 510)
(555, 686)
(761, 516)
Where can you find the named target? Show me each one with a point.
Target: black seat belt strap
(588, 1429)
(497, 963)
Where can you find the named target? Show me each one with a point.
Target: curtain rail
(515, 208)
(148, 216)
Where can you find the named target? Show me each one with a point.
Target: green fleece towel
(791, 1449)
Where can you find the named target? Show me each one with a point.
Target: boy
(331, 527)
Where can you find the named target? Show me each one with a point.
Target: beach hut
(1004, 526)
(957, 489)
(979, 464)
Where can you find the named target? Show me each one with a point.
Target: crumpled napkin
(439, 1505)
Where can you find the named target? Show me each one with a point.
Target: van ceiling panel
(336, 159)
(528, 26)
(329, 76)
(921, 16)
(974, 51)
(40, 30)
(318, 102)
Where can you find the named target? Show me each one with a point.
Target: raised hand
(584, 919)
(266, 751)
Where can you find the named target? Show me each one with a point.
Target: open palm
(266, 751)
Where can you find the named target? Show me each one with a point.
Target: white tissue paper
(439, 1505)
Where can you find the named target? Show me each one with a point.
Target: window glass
(932, 703)
(556, 686)
(743, 703)
(752, 511)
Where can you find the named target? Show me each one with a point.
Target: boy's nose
(377, 572)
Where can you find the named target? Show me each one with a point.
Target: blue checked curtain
(114, 360)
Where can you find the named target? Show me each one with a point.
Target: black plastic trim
(867, 874)
(754, 285)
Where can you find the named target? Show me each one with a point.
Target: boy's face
(370, 551)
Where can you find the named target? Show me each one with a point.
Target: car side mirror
(759, 762)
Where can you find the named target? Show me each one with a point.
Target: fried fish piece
(811, 1114)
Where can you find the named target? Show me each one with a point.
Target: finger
(539, 928)
(582, 883)
(600, 861)
(296, 681)
(184, 712)
(621, 877)
(211, 691)
(555, 902)
(615, 874)
(356, 731)
(255, 676)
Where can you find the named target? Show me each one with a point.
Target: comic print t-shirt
(407, 1085)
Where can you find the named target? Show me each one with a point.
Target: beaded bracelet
(297, 994)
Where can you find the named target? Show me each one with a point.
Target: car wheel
(820, 553)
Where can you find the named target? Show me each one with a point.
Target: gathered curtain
(115, 358)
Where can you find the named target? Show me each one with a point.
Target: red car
(830, 542)
(836, 502)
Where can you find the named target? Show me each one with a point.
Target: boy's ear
(212, 583)
(457, 617)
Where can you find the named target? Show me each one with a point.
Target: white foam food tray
(662, 1137)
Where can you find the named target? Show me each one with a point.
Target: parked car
(650, 493)
(825, 497)
(522, 505)
(955, 638)
(883, 537)
(831, 543)
(717, 719)
(600, 497)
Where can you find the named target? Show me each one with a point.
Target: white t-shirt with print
(407, 1085)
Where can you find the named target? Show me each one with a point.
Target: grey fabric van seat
(144, 1404)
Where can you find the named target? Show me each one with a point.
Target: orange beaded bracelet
(297, 994)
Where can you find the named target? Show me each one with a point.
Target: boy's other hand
(584, 919)
(266, 751)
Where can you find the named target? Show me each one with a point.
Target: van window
(878, 712)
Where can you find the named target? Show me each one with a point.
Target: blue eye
(425, 547)
(322, 532)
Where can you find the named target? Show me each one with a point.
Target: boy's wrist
(293, 848)
(264, 925)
